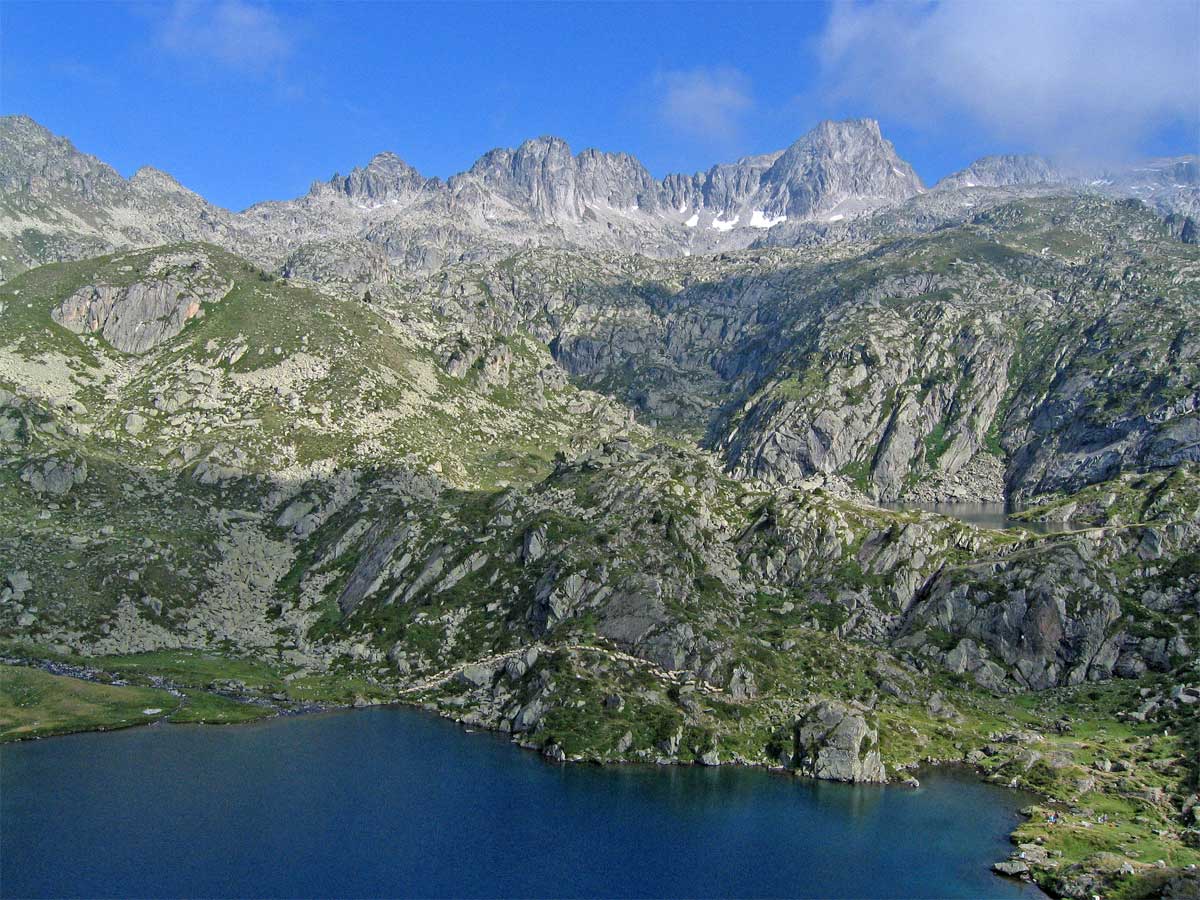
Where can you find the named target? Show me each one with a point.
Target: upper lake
(394, 802)
(996, 516)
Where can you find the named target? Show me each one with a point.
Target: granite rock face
(1001, 171)
(839, 167)
(137, 317)
(133, 319)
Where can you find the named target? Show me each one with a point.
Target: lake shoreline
(280, 711)
(1034, 854)
(772, 795)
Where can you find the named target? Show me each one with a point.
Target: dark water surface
(393, 802)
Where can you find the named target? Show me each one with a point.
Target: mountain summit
(385, 178)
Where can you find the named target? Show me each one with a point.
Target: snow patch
(759, 220)
(721, 225)
(836, 218)
(693, 221)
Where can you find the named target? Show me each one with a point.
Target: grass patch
(210, 709)
(34, 703)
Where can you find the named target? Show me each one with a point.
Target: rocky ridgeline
(63, 204)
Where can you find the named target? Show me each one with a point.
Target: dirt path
(495, 660)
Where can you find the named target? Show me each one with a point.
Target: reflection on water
(983, 515)
(392, 802)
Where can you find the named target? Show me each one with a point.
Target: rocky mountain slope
(454, 443)
(986, 361)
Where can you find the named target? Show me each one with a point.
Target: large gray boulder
(54, 476)
(833, 741)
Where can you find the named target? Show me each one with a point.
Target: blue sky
(244, 100)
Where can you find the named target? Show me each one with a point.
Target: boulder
(834, 741)
(742, 685)
(295, 511)
(20, 582)
(1011, 867)
(529, 716)
(54, 476)
(670, 745)
(515, 668)
(476, 676)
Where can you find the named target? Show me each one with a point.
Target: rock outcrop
(835, 742)
(137, 317)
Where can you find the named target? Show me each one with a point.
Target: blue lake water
(394, 802)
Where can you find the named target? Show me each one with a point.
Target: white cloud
(1083, 77)
(705, 103)
(233, 34)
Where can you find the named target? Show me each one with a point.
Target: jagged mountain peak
(844, 127)
(1170, 184)
(387, 163)
(837, 163)
(35, 160)
(1179, 170)
(19, 122)
(543, 174)
(385, 178)
(845, 136)
(533, 150)
(544, 143)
